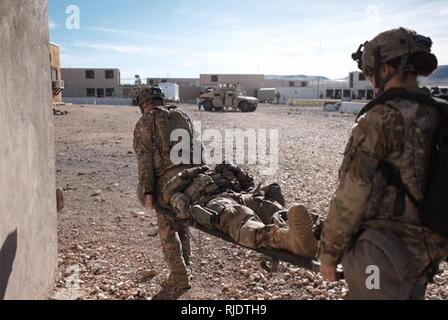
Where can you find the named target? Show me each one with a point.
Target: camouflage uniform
(253, 218)
(361, 228)
(155, 169)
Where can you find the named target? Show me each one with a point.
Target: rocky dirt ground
(109, 246)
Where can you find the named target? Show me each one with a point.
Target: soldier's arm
(144, 149)
(372, 136)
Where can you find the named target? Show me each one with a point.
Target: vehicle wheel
(246, 107)
(208, 106)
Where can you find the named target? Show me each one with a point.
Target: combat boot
(178, 281)
(298, 238)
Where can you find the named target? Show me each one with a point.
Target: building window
(90, 74)
(164, 81)
(110, 92)
(90, 92)
(100, 93)
(304, 84)
(362, 77)
(214, 78)
(54, 74)
(109, 74)
(347, 93)
(292, 83)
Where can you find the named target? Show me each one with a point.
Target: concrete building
(187, 82)
(28, 233)
(99, 83)
(249, 82)
(189, 88)
(284, 83)
(356, 87)
(56, 76)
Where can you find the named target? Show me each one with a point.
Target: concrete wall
(189, 94)
(28, 235)
(76, 83)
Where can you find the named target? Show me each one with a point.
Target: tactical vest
(416, 181)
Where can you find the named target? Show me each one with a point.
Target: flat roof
(90, 69)
(231, 74)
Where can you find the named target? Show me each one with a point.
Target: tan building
(99, 83)
(56, 76)
(249, 82)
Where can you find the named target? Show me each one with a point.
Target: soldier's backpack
(173, 119)
(433, 209)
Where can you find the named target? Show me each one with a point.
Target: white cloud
(231, 44)
(120, 48)
(52, 25)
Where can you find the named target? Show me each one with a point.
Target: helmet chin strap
(380, 83)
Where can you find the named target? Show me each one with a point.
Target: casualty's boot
(301, 229)
(298, 238)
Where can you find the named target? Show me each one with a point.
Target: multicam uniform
(363, 227)
(152, 146)
(365, 201)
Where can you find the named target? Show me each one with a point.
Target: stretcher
(273, 256)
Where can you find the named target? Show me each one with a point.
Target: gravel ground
(111, 243)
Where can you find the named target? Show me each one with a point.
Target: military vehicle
(227, 97)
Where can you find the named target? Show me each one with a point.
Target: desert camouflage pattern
(251, 216)
(400, 132)
(152, 146)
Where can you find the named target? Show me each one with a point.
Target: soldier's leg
(184, 236)
(172, 250)
(244, 226)
(269, 212)
(378, 267)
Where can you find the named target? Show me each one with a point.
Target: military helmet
(145, 93)
(414, 50)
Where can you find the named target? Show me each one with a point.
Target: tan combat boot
(298, 238)
(178, 281)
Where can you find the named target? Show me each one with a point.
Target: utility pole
(318, 76)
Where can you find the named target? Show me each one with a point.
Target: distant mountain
(295, 78)
(439, 77)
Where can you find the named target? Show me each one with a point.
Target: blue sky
(183, 38)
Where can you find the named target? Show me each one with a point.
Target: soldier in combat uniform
(371, 225)
(224, 198)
